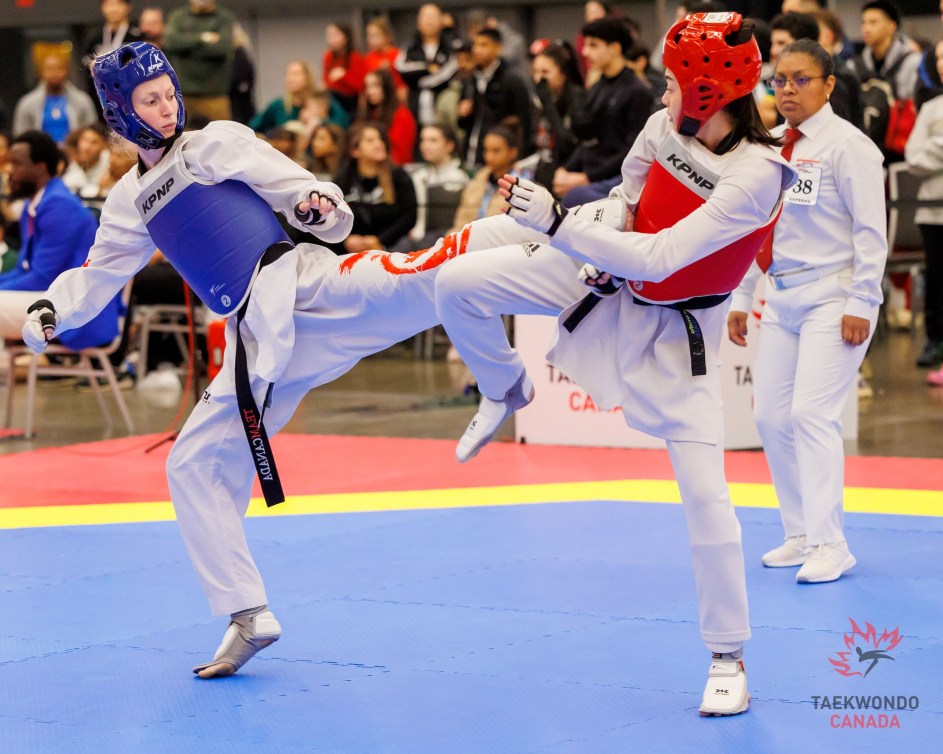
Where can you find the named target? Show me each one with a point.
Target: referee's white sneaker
(726, 691)
(249, 632)
(491, 415)
(792, 552)
(826, 563)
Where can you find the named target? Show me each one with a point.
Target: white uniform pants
(339, 318)
(716, 551)
(345, 308)
(472, 293)
(802, 377)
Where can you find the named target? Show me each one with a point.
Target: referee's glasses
(798, 82)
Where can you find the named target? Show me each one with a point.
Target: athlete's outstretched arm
(228, 151)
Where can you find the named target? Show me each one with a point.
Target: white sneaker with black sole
(826, 563)
(491, 415)
(792, 552)
(726, 691)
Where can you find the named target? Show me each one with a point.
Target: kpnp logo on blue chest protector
(214, 234)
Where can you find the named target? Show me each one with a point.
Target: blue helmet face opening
(117, 74)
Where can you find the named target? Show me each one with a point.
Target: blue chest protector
(214, 234)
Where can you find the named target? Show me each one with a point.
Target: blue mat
(542, 628)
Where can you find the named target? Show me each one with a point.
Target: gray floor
(392, 394)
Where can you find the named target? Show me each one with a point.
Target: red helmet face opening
(711, 67)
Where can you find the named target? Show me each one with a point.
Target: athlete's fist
(737, 328)
(314, 208)
(602, 283)
(41, 324)
(531, 204)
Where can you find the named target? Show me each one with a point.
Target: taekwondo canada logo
(864, 650)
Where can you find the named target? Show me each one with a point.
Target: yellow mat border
(857, 500)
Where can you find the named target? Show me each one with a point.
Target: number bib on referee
(805, 191)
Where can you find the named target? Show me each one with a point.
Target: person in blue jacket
(56, 231)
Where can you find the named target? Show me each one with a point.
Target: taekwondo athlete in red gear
(705, 187)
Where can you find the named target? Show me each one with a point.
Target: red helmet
(711, 65)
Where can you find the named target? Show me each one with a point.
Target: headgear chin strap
(713, 64)
(116, 76)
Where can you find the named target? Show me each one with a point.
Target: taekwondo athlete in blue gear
(303, 316)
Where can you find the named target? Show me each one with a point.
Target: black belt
(259, 444)
(692, 327)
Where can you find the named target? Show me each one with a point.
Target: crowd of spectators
(417, 131)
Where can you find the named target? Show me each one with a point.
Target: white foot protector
(246, 635)
(491, 415)
(726, 691)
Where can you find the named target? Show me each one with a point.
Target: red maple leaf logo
(887, 641)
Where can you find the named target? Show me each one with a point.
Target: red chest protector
(678, 184)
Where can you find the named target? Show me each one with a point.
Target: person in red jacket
(379, 105)
(343, 65)
(382, 53)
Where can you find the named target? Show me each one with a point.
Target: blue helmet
(116, 76)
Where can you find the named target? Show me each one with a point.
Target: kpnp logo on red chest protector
(676, 186)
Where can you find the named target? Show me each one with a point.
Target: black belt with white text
(691, 326)
(259, 445)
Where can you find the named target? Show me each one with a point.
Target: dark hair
(763, 35)
(344, 28)
(887, 8)
(327, 165)
(815, 51)
(797, 25)
(448, 133)
(704, 6)
(42, 149)
(831, 21)
(509, 129)
(382, 113)
(563, 57)
(385, 168)
(493, 34)
(609, 30)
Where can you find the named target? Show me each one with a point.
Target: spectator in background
(559, 93)
(446, 105)
(56, 105)
(593, 10)
(502, 147)
(924, 155)
(151, 24)
(299, 88)
(438, 180)
(382, 53)
(428, 64)
(613, 115)
(887, 53)
(56, 233)
(380, 105)
(319, 108)
(493, 94)
(325, 149)
(343, 66)
(241, 90)
(116, 31)
(638, 58)
(380, 194)
(83, 175)
(199, 44)
(832, 37)
(513, 47)
(929, 84)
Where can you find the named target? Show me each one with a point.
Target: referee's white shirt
(846, 224)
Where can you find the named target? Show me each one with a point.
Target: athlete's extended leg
(719, 575)
(471, 295)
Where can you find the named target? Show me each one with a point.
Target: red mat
(116, 471)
